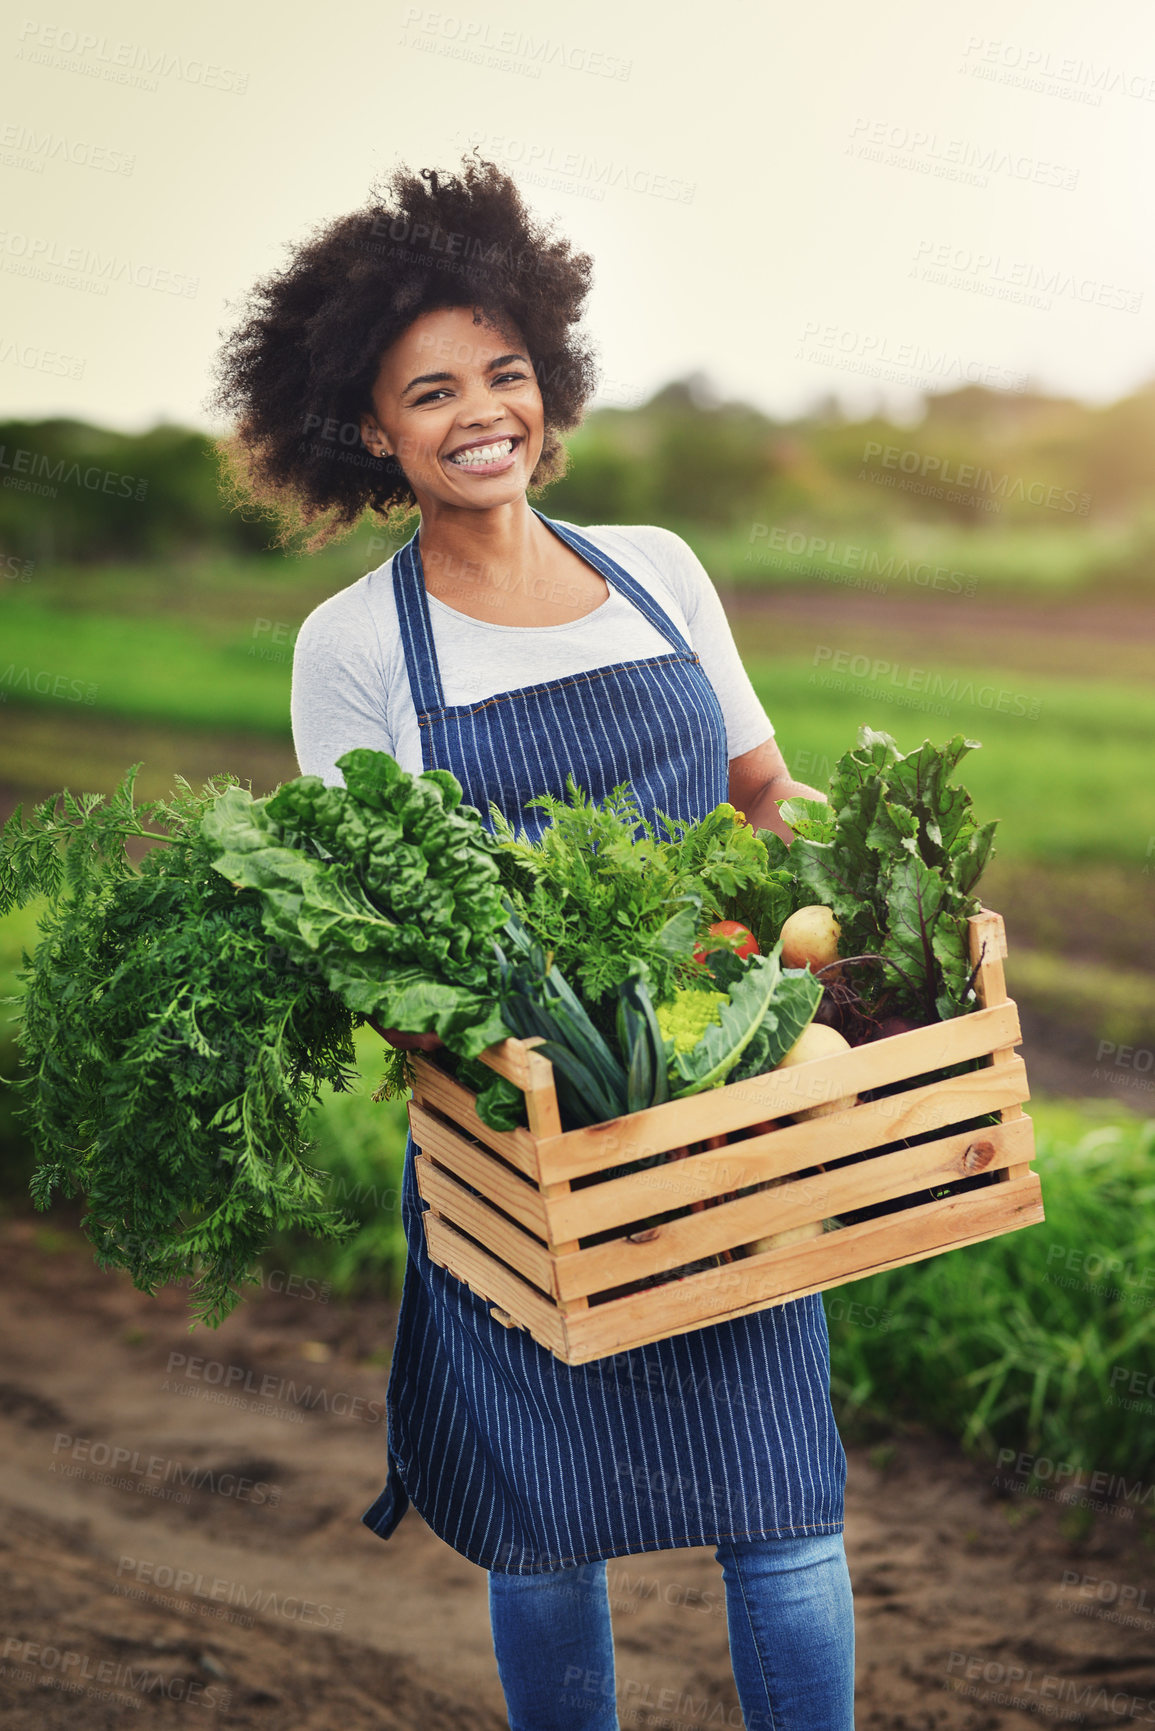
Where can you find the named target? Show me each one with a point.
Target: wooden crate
(512, 1213)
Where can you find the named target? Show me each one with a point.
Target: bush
(1027, 1341)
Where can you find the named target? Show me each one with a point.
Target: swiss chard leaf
(717, 1052)
(792, 1009)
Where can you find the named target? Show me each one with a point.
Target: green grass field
(1065, 762)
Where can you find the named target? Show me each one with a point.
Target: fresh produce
(817, 1041)
(593, 1080)
(895, 855)
(738, 939)
(685, 1017)
(182, 1015)
(608, 896)
(810, 938)
(173, 1057)
(767, 1003)
(387, 886)
(791, 1235)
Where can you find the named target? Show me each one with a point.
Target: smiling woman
(468, 430)
(517, 651)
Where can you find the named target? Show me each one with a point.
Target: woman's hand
(758, 780)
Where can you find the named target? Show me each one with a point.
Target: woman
(423, 352)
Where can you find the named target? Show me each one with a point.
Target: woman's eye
(429, 396)
(513, 377)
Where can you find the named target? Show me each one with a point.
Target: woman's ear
(373, 438)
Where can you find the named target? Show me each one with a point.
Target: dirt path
(263, 1601)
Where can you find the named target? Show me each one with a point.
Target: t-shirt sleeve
(338, 698)
(747, 723)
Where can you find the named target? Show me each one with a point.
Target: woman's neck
(506, 567)
(464, 548)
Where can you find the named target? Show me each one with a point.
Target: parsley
(173, 1055)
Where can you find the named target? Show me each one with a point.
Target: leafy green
(896, 855)
(387, 886)
(609, 897)
(741, 1016)
(500, 1104)
(793, 1008)
(173, 1054)
(641, 1040)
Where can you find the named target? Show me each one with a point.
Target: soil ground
(292, 1616)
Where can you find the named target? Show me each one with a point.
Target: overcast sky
(796, 199)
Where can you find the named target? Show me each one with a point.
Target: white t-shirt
(351, 684)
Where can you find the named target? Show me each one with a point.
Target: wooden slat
(490, 1279)
(434, 1088)
(541, 1105)
(777, 1094)
(443, 1142)
(510, 1058)
(791, 1148)
(821, 1196)
(452, 1201)
(988, 950)
(987, 927)
(781, 1275)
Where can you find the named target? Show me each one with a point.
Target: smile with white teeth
(481, 456)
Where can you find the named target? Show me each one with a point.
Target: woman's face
(458, 404)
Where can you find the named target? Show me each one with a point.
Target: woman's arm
(758, 780)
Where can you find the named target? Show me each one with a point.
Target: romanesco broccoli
(685, 1017)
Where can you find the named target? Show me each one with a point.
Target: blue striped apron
(520, 1462)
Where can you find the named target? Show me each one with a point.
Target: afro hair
(295, 375)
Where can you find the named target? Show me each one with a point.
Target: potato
(817, 1041)
(792, 1235)
(810, 939)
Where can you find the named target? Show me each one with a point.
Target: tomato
(743, 941)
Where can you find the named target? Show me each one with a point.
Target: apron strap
(417, 630)
(417, 627)
(619, 578)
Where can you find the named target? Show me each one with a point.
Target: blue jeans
(790, 1616)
